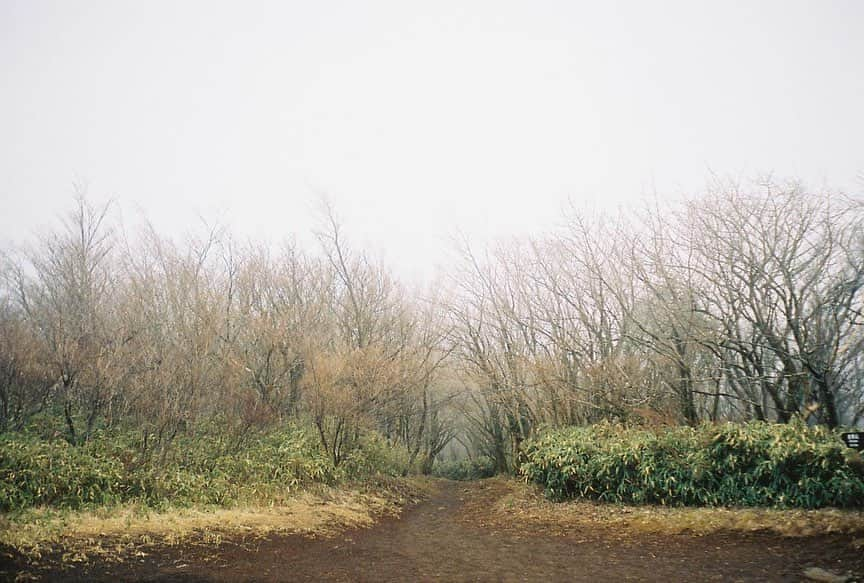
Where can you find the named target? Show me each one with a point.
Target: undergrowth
(753, 464)
(465, 469)
(200, 469)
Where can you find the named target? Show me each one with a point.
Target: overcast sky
(416, 118)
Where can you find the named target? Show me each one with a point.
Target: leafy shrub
(465, 469)
(374, 456)
(34, 472)
(754, 464)
(200, 470)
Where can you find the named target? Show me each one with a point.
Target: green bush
(373, 456)
(753, 464)
(465, 469)
(199, 469)
(34, 472)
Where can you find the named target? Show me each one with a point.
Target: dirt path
(451, 537)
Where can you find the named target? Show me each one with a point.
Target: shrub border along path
(753, 464)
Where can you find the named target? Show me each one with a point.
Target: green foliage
(373, 456)
(465, 469)
(34, 472)
(199, 469)
(753, 464)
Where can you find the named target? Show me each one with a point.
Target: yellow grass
(523, 502)
(121, 530)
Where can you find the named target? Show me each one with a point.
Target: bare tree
(64, 288)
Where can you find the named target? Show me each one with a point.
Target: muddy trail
(454, 536)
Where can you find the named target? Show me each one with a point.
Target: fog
(417, 121)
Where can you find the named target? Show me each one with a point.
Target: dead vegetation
(115, 534)
(495, 529)
(523, 504)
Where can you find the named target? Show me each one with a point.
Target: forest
(740, 304)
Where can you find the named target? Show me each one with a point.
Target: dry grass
(525, 503)
(130, 530)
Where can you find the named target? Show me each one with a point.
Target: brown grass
(525, 503)
(125, 530)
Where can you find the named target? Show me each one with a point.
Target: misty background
(417, 120)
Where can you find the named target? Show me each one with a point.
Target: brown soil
(459, 534)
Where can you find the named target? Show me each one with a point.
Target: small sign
(854, 440)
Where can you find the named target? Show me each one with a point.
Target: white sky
(417, 118)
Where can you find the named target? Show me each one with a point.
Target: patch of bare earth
(501, 530)
(44, 545)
